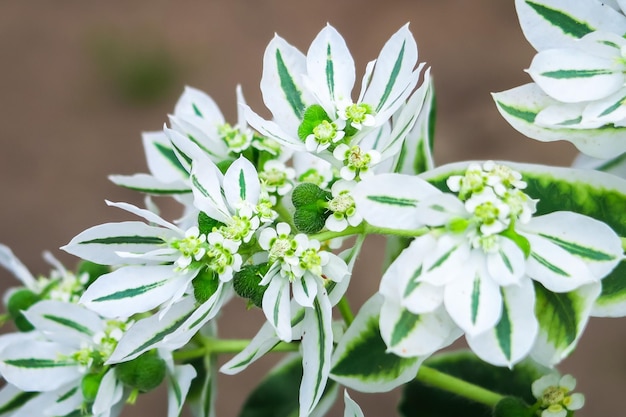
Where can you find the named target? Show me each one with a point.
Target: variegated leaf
(150, 185)
(562, 319)
(178, 383)
(361, 360)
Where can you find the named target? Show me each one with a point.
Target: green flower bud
(21, 300)
(90, 385)
(204, 285)
(311, 203)
(246, 283)
(144, 373)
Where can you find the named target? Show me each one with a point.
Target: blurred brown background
(80, 80)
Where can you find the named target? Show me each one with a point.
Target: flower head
(554, 395)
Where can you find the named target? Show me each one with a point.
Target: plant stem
(218, 346)
(457, 386)
(323, 236)
(345, 310)
(284, 215)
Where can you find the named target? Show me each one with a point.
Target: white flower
(554, 394)
(276, 177)
(341, 206)
(357, 162)
(297, 263)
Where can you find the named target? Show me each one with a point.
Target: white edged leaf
(276, 306)
(206, 184)
(161, 158)
(12, 264)
(12, 399)
(361, 360)
(110, 393)
(194, 103)
(562, 318)
(241, 183)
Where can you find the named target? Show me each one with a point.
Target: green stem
(345, 310)
(624, 243)
(284, 215)
(218, 346)
(351, 230)
(457, 386)
(368, 229)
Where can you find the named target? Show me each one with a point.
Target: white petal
(241, 183)
(206, 180)
(134, 289)
(276, 307)
(109, 393)
(475, 304)
(514, 335)
(508, 264)
(305, 290)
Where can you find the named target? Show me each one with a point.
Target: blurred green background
(80, 80)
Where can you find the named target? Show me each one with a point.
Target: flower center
(235, 139)
(310, 260)
(553, 396)
(357, 113)
(281, 247)
(342, 203)
(325, 132)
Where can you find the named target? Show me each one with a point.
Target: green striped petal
(178, 383)
(241, 183)
(573, 75)
(416, 154)
(330, 68)
(101, 244)
(203, 390)
(65, 323)
(394, 76)
(161, 157)
(282, 86)
(351, 408)
(150, 185)
(135, 289)
(317, 347)
(521, 107)
(554, 23)
(38, 365)
(361, 360)
(390, 200)
(562, 319)
(512, 338)
(13, 399)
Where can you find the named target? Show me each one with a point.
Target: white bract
(579, 93)
(479, 265)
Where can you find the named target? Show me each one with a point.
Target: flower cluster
(514, 257)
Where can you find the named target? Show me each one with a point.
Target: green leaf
(612, 299)
(361, 361)
(511, 407)
(277, 394)
(421, 400)
(313, 116)
(562, 318)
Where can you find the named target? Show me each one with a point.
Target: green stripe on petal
(170, 156)
(403, 327)
(287, 84)
(330, 71)
(504, 331)
(157, 337)
(413, 282)
(392, 78)
(550, 266)
(527, 115)
(17, 401)
(475, 298)
(69, 323)
(242, 185)
(35, 363)
(131, 292)
(124, 240)
(580, 250)
(393, 201)
(577, 73)
(558, 18)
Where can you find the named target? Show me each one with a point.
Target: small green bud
(90, 385)
(19, 301)
(511, 407)
(92, 269)
(458, 225)
(307, 195)
(144, 373)
(309, 222)
(204, 285)
(246, 283)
